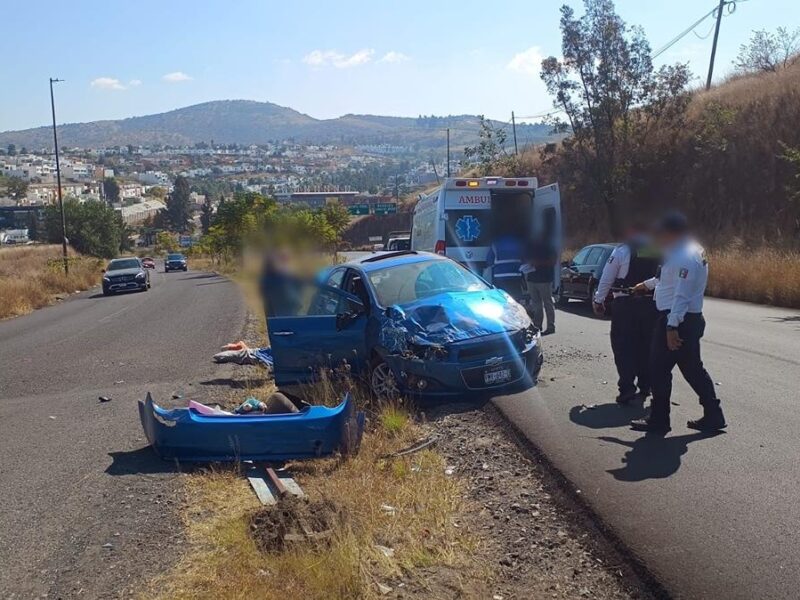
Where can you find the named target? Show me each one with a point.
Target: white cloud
(528, 61)
(332, 58)
(107, 83)
(394, 57)
(176, 77)
(134, 83)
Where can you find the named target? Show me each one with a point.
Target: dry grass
(31, 277)
(406, 504)
(765, 275)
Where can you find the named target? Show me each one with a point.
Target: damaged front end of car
(461, 342)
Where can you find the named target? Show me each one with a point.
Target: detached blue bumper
(183, 434)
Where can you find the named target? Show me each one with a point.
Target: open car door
(316, 327)
(547, 223)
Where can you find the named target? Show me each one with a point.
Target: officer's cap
(673, 222)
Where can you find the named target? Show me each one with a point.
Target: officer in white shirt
(632, 316)
(676, 339)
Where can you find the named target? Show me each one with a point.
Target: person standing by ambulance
(680, 326)
(633, 316)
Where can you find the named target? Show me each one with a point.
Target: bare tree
(769, 51)
(612, 99)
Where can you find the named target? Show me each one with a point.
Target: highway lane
(76, 474)
(711, 516)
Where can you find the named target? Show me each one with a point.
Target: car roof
(604, 245)
(381, 260)
(124, 258)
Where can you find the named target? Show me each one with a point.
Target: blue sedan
(408, 323)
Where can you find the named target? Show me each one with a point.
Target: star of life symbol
(468, 228)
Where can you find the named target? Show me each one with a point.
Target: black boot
(712, 420)
(626, 399)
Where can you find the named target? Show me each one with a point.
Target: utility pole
(514, 129)
(722, 4)
(448, 152)
(58, 179)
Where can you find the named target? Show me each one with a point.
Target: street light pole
(58, 178)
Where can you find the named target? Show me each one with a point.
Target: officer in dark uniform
(632, 316)
(679, 293)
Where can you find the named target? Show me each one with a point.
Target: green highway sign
(385, 208)
(358, 209)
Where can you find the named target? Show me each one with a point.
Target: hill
(733, 166)
(250, 122)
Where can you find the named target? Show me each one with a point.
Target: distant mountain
(249, 122)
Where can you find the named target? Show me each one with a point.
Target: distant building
(138, 213)
(315, 199)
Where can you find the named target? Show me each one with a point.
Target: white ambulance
(462, 217)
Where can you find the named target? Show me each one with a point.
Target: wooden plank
(276, 482)
(256, 478)
(291, 485)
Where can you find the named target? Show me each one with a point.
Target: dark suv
(123, 274)
(175, 262)
(580, 276)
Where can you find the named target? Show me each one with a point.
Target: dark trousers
(687, 357)
(632, 323)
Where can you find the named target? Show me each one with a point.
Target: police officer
(632, 316)
(676, 339)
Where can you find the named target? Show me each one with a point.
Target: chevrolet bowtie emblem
(495, 360)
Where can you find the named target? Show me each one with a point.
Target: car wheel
(106, 293)
(592, 290)
(383, 383)
(561, 299)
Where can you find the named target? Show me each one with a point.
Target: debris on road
(104, 398)
(241, 354)
(419, 446)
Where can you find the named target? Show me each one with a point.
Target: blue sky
(404, 57)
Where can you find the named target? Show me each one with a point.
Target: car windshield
(402, 284)
(126, 263)
(175, 257)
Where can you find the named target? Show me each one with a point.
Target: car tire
(382, 382)
(561, 299)
(106, 293)
(592, 290)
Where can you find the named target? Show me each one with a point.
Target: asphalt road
(76, 475)
(711, 516)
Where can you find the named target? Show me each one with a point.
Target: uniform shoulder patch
(610, 259)
(684, 273)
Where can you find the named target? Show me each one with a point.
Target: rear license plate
(496, 376)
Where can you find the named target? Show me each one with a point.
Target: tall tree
(612, 98)
(93, 227)
(206, 214)
(111, 190)
(16, 188)
(179, 212)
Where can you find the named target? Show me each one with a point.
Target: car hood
(117, 272)
(451, 317)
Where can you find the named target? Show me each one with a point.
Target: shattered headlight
(531, 334)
